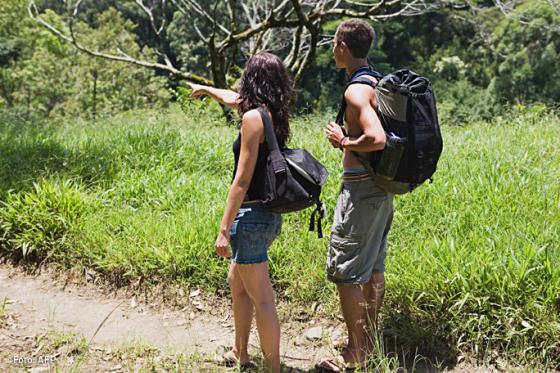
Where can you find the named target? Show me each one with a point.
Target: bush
(37, 225)
(460, 102)
(528, 50)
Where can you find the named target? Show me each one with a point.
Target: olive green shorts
(362, 219)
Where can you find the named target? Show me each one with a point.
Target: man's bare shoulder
(360, 94)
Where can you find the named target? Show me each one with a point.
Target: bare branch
(292, 57)
(149, 13)
(320, 11)
(325, 40)
(308, 58)
(157, 30)
(301, 16)
(204, 38)
(280, 7)
(248, 14)
(253, 11)
(358, 3)
(123, 57)
(370, 13)
(249, 26)
(76, 7)
(507, 7)
(262, 26)
(195, 6)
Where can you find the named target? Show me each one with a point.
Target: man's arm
(358, 99)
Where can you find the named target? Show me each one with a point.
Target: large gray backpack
(407, 110)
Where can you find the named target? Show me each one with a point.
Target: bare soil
(164, 329)
(114, 319)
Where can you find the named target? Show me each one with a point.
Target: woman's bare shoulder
(251, 123)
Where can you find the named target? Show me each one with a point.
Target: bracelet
(342, 141)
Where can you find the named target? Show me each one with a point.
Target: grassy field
(474, 259)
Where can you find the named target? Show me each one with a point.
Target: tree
(230, 31)
(41, 73)
(527, 64)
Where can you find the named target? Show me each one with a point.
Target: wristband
(342, 141)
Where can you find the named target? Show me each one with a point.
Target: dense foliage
(41, 74)
(479, 59)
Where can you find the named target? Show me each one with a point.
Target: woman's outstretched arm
(223, 96)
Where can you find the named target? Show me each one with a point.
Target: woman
(246, 226)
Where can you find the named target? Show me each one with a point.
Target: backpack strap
(278, 162)
(359, 77)
(279, 165)
(320, 212)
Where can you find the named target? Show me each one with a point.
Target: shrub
(37, 225)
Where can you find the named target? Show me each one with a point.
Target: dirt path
(41, 304)
(44, 317)
(36, 304)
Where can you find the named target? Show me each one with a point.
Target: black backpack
(293, 178)
(407, 110)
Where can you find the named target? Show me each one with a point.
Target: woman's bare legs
(256, 282)
(242, 314)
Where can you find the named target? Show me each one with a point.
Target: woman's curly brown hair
(266, 81)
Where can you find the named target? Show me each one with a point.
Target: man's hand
(198, 90)
(334, 134)
(222, 245)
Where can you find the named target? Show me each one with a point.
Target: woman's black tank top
(256, 189)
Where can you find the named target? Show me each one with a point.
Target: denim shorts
(362, 220)
(252, 232)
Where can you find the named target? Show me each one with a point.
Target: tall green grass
(473, 259)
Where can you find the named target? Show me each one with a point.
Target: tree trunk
(94, 98)
(219, 74)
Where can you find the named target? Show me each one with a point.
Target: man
(364, 211)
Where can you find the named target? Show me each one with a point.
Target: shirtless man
(364, 211)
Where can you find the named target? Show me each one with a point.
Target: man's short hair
(358, 35)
